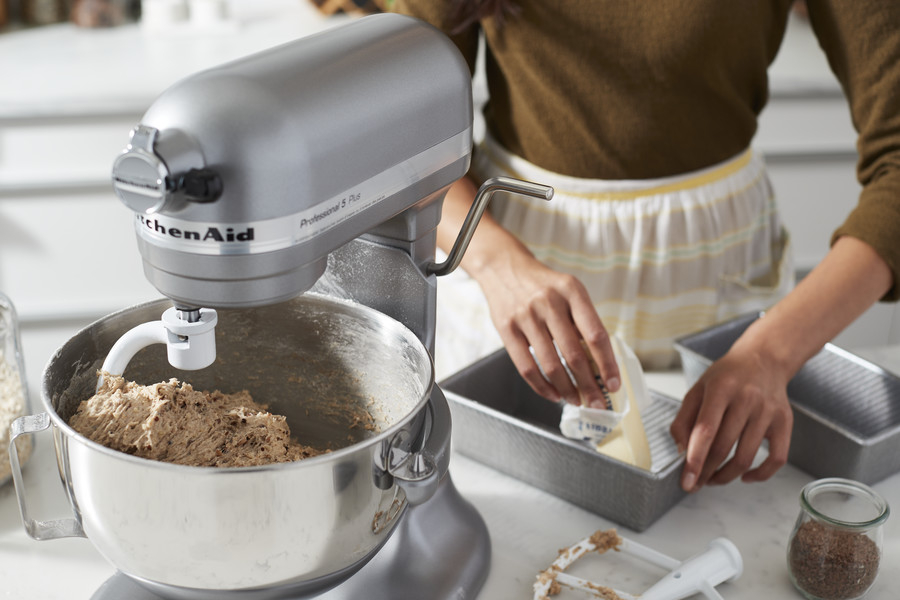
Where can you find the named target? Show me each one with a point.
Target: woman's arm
(742, 397)
(532, 305)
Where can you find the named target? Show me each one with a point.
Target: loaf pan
(499, 421)
(846, 409)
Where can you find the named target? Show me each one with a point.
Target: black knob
(201, 185)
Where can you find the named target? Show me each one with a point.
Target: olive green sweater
(616, 89)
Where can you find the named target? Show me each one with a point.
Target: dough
(174, 423)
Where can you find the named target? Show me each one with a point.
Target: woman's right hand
(534, 308)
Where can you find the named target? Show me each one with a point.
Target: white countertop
(527, 528)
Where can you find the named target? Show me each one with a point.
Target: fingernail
(612, 384)
(601, 404)
(688, 482)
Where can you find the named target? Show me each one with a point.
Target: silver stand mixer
(318, 166)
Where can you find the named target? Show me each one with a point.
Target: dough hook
(189, 336)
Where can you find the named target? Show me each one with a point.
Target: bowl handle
(39, 530)
(407, 461)
(417, 476)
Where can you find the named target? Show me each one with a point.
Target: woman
(641, 115)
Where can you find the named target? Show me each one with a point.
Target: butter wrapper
(617, 431)
(580, 422)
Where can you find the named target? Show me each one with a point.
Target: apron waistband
(605, 189)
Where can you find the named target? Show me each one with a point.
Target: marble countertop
(527, 527)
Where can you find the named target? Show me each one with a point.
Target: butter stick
(628, 441)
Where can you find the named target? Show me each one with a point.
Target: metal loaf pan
(499, 421)
(846, 409)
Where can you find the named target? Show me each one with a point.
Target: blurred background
(76, 76)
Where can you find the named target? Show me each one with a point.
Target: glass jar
(44, 12)
(99, 13)
(834, 550)
(13, 388)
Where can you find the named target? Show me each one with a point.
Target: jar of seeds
(834, 550)
(13, 389)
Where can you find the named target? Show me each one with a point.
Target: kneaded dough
(173, 422)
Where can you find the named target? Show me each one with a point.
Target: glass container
(14, 401)
(44, 12)
(100, 13)
(835, 548)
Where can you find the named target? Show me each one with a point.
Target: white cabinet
(68, 248)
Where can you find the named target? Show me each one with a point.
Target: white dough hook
(189, 336)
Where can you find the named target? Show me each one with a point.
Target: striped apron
(660, 258)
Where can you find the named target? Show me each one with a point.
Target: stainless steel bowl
(268, 530)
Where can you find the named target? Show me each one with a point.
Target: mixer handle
(38, 530)
(479, 205)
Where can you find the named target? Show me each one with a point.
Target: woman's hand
(533, 306)
(742, 398)
(737, 403)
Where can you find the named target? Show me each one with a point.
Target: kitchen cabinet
(68, 247)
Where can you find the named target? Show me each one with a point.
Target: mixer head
(243, 178)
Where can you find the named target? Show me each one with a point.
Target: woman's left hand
(740, 400)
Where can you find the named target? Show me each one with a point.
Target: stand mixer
(318, 166)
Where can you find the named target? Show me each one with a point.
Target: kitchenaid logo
(210, 234)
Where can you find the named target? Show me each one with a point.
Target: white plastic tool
(190, 344)
(699, 574)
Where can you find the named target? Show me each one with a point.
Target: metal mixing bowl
(267, 530)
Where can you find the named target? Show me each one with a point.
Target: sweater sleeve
(440, 14)
(861, 39)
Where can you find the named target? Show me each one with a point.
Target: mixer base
(441, 550)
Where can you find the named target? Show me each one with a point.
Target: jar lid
(844, 503)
